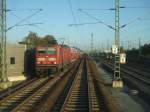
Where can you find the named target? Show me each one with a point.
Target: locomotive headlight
(55, 62)
(52, 59)
(40, 59)
(38, 62)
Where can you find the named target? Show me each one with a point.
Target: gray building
(15, 60)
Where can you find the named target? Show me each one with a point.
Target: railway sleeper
(79, 106)
(76, 109)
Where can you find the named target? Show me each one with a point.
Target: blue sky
(56, 17)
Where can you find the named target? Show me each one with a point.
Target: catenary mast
(3, 64)
(117, 81)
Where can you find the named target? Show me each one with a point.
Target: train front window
(41, 51)
(51, 51)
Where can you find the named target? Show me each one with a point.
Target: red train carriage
(65, 51)
(54, 58)
(51, 58)
(75, 54)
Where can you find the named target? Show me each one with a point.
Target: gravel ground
(127, 101)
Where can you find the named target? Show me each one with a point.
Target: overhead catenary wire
(74, 17)
(41, 28)
(134, 20)
(84, 23)
(121, 7)
(71, 9)
(93, 17)
(144, 18)
(12, 10)
(30, 24)
(130, 22)
(24, 19)
(101, 22)
(136, 7)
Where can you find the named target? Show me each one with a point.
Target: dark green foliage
(121, 49)
(49, 39)
(146, 49)
(65, 46)
(133, 51)
(32, 39)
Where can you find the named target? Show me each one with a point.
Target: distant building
(15, 61)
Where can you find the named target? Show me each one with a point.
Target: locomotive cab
(50, 59)
(46, 60)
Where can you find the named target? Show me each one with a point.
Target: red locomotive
(54, 58)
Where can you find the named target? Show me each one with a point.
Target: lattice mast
(117, 82)
(117, 41)
(3, 63)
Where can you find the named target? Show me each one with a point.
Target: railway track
(136, 81)
(77, 98)
(15, 88)
(142, 78)
(82, 94)
(96, 98)
(26, 98)
(138, 71)
(32, 100)
(77, 90)
(11, 101)
(140, 67)
(61, 98)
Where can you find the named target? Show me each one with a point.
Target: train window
(12, 60)
(51, 51)
(41, 51)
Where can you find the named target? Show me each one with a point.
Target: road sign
(122, 58)
(114, 49)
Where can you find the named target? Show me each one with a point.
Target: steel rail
(63, 89)
(30, 103)
(11, 90)
(139, 77)
(83, 95)
(77, 98)
(93, 99)
(11, 101)
(26, 105)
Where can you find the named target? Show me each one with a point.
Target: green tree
(49, 39)
(32, 39)
(146, 49)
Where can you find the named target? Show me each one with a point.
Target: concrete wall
(15, 53)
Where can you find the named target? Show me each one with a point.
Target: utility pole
(4, 83)
(62, 54)
(140, 50)
(92, 42)
(102, 47)
(117, 81)
(128, 45)
(107, 45)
